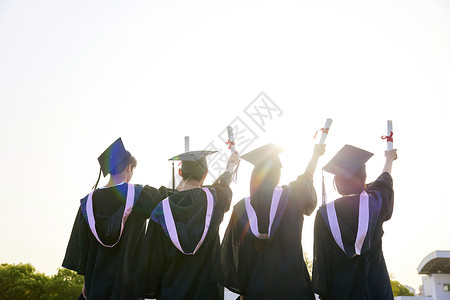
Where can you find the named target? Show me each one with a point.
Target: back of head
(266, 173)
(194, 169)
(348, 166)
(193, 164)
(351, 185)
(265, 177)
(120, 167)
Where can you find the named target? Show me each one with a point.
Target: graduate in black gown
(108, 226)
(348, 259)
(182, 243)
(261, 254)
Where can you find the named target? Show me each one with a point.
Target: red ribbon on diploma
(230, 143)
(388, 138)
(324, 130)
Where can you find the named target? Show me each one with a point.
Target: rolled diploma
(324, 135)
(231, 138)
(390, 145)
(186, 144)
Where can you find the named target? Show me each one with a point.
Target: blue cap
(112, 156)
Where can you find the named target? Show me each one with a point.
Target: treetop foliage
(21, 281)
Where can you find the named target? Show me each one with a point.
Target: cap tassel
(173, 175)
(324, 193)
(235, 173)
(98, 179)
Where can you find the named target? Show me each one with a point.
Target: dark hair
(352, 185)
(193, 170)
(128, 160)
(264, 178)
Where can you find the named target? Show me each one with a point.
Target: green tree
(66, 284)
(23, 282)
(399, 290)
(308, 262)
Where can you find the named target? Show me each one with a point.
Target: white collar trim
(363, 223)
(128, 208)
(253, 219)
(170, 223)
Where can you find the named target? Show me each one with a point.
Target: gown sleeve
(223, 191)
(151, 263)
(78, 247)
(303, 192)
(384, 185)
(319, 274)
(149, 198)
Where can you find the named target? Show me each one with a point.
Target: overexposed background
(76, 75)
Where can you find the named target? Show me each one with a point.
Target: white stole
(253, 219)
(363, 223)
(170, 223)
(128, 208)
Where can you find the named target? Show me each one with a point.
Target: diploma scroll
(325, 131)
(186, 144)
(230, 141)
(389, 139)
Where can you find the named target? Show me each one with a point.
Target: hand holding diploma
(319, 149)
(234, 160)
(391, 155)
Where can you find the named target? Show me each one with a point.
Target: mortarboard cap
(196, 161)
(192, 155)
(263, 154)
(112, 156)
(348, 161)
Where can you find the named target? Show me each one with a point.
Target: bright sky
(76, 75)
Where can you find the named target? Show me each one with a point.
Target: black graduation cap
(263, 154)
(348, 161)
(112, 156)
(193, 155)
(194, 162)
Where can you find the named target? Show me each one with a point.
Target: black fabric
(335, 276)
(273, 268)
(109, 273)
(165, 272)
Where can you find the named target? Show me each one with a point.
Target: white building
(436, 282)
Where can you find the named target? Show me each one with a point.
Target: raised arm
(222, 184)
(302, 190)
(391, 155)
(319, 150)
(233, 161)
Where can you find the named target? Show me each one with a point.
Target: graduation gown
(271, 268)
(347, 275)
(109, 272)
(166, 272)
